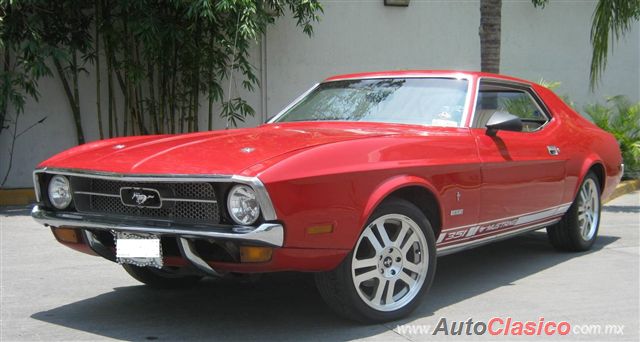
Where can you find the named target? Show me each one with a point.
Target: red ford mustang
(365, 179)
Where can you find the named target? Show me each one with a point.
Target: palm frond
(611, 19)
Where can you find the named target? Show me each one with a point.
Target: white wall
(551, 43)
(554, 44)
(356, 36)
(58, 133)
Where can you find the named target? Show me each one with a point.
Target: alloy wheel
(588, 209)
(390, 262)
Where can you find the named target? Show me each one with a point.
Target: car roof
(425, 73)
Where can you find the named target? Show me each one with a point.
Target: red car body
(334, 174)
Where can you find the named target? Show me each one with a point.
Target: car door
(522, 172)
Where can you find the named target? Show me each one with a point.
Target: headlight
(243, 205)
(59, 192)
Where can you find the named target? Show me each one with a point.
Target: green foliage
(524, 108)
(520, 106)
(235, 110)
(161, 56)
(553, 85)
(622, 119)
(611, 19)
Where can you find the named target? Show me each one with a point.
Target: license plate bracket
(140, 249)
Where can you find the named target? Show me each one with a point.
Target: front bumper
(266, 234)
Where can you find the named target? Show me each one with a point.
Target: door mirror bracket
(503, 121)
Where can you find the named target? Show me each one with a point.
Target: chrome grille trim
(95, 194)
(166, 199)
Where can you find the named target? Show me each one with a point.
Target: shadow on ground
(287, 306)
(15, 210)
(621, 209)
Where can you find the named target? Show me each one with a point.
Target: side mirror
(503, 121)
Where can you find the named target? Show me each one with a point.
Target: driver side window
(494, 98)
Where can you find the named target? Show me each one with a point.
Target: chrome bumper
(266, 234)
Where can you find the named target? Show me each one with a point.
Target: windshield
(423, 101)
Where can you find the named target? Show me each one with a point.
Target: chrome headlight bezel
(59, 192)
(243, 205)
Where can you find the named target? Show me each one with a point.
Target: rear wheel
(389, 271)
(578, 229)
(161, 278)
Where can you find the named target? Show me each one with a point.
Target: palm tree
(611, 19)
(490, 29)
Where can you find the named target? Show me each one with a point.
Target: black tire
(567, 235)
(337, 287)
(160, 279)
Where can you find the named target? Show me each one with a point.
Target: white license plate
(138, 249)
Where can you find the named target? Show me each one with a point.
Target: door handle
(553, 150)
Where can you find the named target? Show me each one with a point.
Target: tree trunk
(210, 123)
(5, 95)
(490, 22)
(174, 77)
(138, 92)
(98, 104)
(153, 115)
(127, 81)
(72, 96)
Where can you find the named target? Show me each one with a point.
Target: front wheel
(389, 271)
(578, 229)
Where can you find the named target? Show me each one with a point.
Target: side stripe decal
(461, 234)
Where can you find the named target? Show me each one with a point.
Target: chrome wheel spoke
(364, 263)
(415, 268)
(582, 217)
(583, 196)
(407, 279)
(382, 231)
(368, 234)
(377, 298)
(390, 289)
(412, 239)
(401, 235)
(366, 276)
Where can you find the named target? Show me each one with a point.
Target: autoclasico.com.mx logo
(507, 326)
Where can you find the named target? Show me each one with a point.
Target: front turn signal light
(320, 229)
(67, 235)
(255, 254)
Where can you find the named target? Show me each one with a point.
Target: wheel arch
(599, 171)
(595, 164)
(413, 189)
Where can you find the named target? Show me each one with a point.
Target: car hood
(216, 152)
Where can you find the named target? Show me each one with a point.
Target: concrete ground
(50, 292)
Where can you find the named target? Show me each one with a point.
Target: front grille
(193, 202)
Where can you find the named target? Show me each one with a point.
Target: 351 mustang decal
(465, 233)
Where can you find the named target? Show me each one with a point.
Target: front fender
(391, 185)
